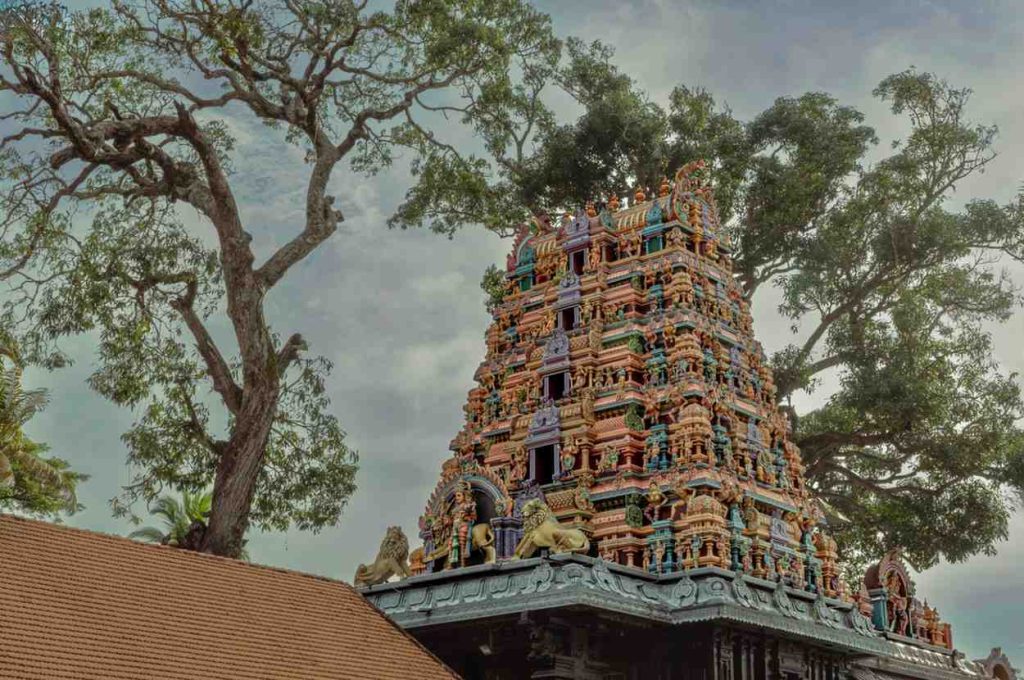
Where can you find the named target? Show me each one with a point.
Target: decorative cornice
(698, 595)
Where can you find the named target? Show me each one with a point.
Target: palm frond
(168, 509)
(177, 516)
(6, 472)
(10, 386)
(28, 403)
(32, 464)
(148, 534)
(48, 482)
(197, 506)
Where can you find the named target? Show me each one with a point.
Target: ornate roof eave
(698, 595)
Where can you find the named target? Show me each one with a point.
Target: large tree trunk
(239, 469)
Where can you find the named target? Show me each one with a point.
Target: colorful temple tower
(625, 500)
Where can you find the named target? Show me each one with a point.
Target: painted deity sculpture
(462, 518)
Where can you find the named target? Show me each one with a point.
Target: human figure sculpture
(659, 556)
(897, 604)
(518, 467)
(655, 502)
(463, 516)
(609, 459)
(569, 451)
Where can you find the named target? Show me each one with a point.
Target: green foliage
(921, 445)
(614, 145)
(30, 482)
(177, 517)
(122, 115)
(634, 419)
(493, 284)
(635, 344)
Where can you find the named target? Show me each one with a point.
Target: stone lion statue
(541, 530)
(392, 558)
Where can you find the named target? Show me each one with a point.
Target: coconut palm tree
(181, 519)
(177, 516)
(28, 480)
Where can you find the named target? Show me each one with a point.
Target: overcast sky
(401, 314)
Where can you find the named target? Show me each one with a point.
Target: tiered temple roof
(623, 396)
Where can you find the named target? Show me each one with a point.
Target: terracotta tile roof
(77, 604)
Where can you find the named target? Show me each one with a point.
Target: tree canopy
(114, 126)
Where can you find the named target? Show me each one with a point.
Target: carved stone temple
(624, 501)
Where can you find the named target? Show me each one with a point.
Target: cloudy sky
(401, 314)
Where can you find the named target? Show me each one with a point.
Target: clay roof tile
(76, 604)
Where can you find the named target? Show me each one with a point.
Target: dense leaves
(115, 125)
(493, 284)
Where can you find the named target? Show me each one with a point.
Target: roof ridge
(171, 550)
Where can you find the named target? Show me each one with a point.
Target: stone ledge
(698, 595)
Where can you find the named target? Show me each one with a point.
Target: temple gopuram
(625, 500)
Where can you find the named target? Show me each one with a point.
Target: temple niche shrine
(624, 500)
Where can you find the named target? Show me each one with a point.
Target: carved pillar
(879, 608)
(747, 648)
(768, 666)
(722, 653)
(585, 450)
(550, 656)
(791, 661)
(507, 532)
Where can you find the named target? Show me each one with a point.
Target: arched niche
(892, 595)
(491, 501)
(998, 666)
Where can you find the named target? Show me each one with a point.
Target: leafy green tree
(615, 144)
(29, 481)
(177, 516)
(921, 444)
(116, 121)
(493, 284)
